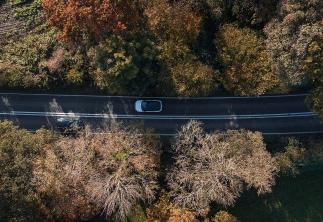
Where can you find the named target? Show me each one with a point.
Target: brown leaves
(174, 21)
(80, 20)
(164, 210)
(109, 171)
(216, 167)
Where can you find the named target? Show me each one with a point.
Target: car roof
(154, 105)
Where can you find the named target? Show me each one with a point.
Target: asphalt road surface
(268, 114)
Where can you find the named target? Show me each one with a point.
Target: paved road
(268, 114)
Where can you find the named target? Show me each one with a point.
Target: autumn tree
(252, 13)
(314, 70)
(109, 171)
(165, 211)
(246, 62)
(223, 216)
(22, 63)
(90, 20)
(193, 78)
(290, 34)
(18, 149)
(128, 67)
(173, 20)
(291, 157)
(30, 51)
(216, 167)
(177, 26)
(30, 12)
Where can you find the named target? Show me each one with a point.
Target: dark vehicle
(68, 125)
(148, 106)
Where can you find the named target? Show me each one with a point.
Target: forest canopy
(163, 48)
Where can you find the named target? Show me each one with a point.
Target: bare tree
(217, 166)
(109, 171)
(127, 170)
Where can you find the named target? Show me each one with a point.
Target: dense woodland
(161, 47)
(125, 173)
(153, 48)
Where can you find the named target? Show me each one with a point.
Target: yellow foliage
(247, 64)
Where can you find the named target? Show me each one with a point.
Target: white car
(148, 106)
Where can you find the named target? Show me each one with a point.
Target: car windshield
(150, 106)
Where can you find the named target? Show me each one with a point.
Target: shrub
(14, 76)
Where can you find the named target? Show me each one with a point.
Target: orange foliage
(165, 211)
(84, 19)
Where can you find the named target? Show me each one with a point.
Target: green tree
(18, 149)
(189, 76)
(246, 62)
(23, 62)
(128, 67)
(31, 50)
(30, 12)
